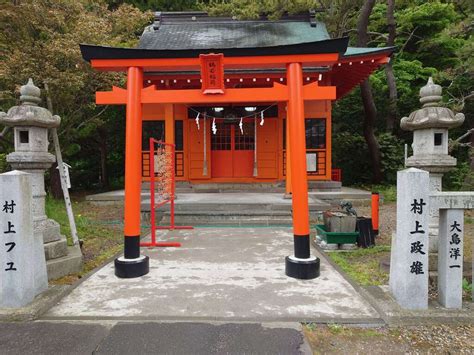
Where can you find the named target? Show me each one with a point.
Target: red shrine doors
(232, 151)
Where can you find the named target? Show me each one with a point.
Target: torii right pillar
(301, 265)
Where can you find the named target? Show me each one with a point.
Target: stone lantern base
(61, 259)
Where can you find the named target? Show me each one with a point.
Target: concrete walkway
(226, 274)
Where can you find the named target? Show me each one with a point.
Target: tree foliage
(40, 39)
(157, 5)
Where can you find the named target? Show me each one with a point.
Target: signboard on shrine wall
(212, 73)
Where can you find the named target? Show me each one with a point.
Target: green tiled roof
(356, 51)
(236, 34)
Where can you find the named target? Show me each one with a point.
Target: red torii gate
(301, 265)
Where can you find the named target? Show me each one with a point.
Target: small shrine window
(438, 139)
(245, 140)
(315, 133)
(223, 137)
(178, 135)
(24, 137)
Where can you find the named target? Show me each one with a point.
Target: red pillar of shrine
(301, 265)
(132, 264)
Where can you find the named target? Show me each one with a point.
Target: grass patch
(55, 209)
(335, 328)
(466, 286)
(101, 240)
(375, 250)
(363, 265)
(341, 330)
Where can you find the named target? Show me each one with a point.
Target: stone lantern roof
(432, 115)
(29, 113)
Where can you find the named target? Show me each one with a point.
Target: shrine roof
(197, 30)
(186, 35)
(189, 34)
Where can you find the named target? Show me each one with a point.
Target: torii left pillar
(132, 264)
(301, 265)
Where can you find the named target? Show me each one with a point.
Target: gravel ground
(387, 218)
(435, 339)
(440, 339)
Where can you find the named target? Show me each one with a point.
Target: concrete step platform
(235, 202)
(322, 198)
(57, 249)
(278, 187)
(228, 219)
(245, 209)
(71, 263)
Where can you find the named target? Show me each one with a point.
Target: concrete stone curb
(363, 322)
(394, 315)
(41, 304)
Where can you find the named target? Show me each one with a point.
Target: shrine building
(242, 101)
(252, 56)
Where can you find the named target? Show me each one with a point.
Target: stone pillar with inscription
(450, 257)
(451, 244)
(409, 252)
(22, 261)
(430, 127)
(30, 124)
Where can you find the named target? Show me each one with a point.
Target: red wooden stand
(168, 147)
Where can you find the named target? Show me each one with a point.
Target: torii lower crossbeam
(278, 92)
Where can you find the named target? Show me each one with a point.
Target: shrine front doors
(232, 151)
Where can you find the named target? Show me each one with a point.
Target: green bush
(454, 179)
(351, 154)
(393, 156)
(3, 163)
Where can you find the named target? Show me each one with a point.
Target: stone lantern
(30, 124)
(430, 127)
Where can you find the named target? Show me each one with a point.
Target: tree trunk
(468, 183)
(368, 99)
(392, 87)
(369, 130)
(55, 182)
(55, 188)
(104, 175)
